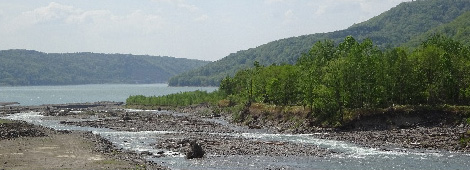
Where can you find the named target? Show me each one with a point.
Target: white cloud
(321, 9)
(273, 1)
(164, 27)
(289, 17)
(182, 4)
(56, 13)
(181, 11)
(88, 17)
(201, 18)
(289, 13)
(53, 12)
(147, 23)
(187, 6)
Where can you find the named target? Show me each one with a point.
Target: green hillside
(458, 29)
(390, 29)
(27, 67)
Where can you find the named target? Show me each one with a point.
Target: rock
(20, 129)
(146, 153)
(195, 152)
(184, 141)
(126, 117)
(254, 126)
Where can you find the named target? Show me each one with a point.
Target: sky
(195, 29)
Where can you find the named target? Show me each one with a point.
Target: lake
(38, 95)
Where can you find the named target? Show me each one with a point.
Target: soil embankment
(407, 127)
(417, 128)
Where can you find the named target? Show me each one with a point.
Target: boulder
(196, 151)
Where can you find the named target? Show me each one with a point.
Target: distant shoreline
(8, 103)
(83, 84)
(40, 95)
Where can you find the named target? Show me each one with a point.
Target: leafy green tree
(441, 62)
(311, 69)
(400, 77)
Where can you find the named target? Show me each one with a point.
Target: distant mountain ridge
(29, 67)
(392, 28)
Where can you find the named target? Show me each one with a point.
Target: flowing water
(346, 156)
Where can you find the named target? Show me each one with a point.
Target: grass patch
(261, 111)
(4, 121)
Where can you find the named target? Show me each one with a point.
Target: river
(347, 155)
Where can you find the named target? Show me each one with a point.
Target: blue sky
(196, 29)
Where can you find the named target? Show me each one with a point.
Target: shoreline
(380, 131)
(196, 123)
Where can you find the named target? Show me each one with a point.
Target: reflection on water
(39, 95)
(348, 156)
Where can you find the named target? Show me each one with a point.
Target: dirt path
(56, 150)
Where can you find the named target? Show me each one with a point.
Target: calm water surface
(38, 95)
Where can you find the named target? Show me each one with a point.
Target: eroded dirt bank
(407, 127)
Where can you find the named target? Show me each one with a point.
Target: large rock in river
(195, 152)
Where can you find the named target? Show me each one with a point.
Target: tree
(311, 69)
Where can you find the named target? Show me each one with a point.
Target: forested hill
(392, 28)
(458, 29)
(27, 67)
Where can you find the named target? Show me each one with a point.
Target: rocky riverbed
(431, 137)
(220, 138)
(438, 137)
(428, 138)
(16, 129)
(215, 138)
(147, 121)
(423, 130)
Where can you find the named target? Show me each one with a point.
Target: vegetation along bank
(342, 86)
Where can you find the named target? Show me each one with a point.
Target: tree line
(28, 67)
(177, 99)
(331, 79)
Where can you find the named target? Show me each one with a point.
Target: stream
(345, 155)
